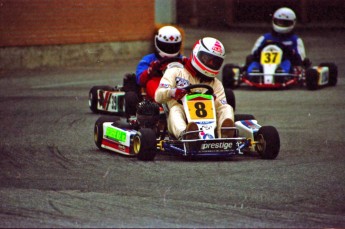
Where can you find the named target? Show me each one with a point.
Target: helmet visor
(283, 22)
(170, 48)
(209, 60)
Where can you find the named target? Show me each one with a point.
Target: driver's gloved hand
(184, 60)
(154, 69)
(177, 93)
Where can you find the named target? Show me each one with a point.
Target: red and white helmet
(168, 41)
(207, 56)
(284, 20)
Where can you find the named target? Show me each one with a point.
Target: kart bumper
(276, 84)
(222, 147)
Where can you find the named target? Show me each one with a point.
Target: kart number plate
(270, 57)
(200, 109)
(116, 134)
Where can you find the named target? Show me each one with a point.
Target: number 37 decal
(270, 57)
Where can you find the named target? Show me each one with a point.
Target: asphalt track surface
(53, 175)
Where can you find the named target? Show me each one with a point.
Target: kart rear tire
(268, 142)
(230, 97)
(93, 98)
(333, 73)
(131, 102)
(144, 144)
(242, 117)
(98, 129)
(228, 76)
(312, 77)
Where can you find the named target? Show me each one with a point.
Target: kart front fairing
(271, 76)
(200, 109)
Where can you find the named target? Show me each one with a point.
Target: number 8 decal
(200, 110)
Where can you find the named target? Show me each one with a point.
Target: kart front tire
(98, 128)
(333, 73)
(312, 78)
(93, 98)
(268, 142)
(98, 134)
(144, 144)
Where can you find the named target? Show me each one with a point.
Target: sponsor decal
(205, 122)
(113, 106)
(164, 85)
(116, 134)
(206, 136)
(217, 47)
(250, 124)
(181, 82)
(223, 101)
(217, 145)
(115, 146)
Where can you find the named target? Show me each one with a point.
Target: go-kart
(119, 100)
(271, 76)
(122, 99)
(150, 135)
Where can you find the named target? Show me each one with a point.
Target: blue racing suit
(144, 64)
(294, 52)
(143, 78)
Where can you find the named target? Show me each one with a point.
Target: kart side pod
(247, 129)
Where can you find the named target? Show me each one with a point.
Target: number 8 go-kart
(149, 135)
(271, 76)
(121, 100)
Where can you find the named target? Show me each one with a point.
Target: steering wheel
(209, 91)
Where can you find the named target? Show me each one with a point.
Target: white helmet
(284, 20)
(168, 41)
(207, 56)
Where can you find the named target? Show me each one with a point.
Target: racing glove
(144, 77)
(154, 69)
(184, 60)
(177, 93)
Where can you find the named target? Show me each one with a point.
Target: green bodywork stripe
(191, 97)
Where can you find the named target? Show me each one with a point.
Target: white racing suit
(179, 78)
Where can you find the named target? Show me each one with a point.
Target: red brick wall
(47, 22)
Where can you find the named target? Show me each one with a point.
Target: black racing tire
(312, 77)
(131, 102)
(98, 128)
(98, 134)
(93, 96)
(268, 142)
(333, 73)
(230, 97)
(228, 76)
(144, 144)
(241, 117)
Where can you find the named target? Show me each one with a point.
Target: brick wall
(52, 22)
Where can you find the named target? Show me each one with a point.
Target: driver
(283, 22)
(202, 67)
(167, 44)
